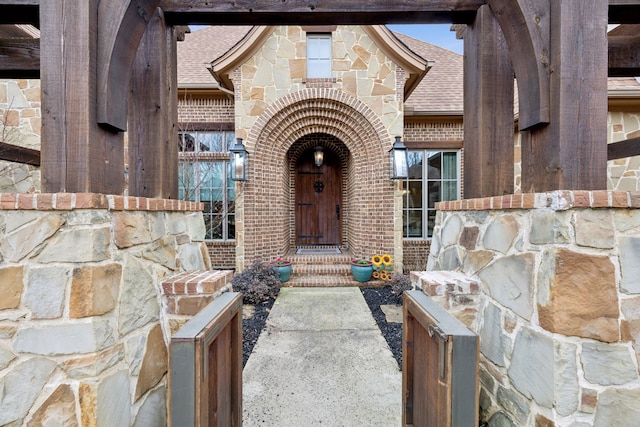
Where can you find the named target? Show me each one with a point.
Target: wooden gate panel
(205, 367)
(439, 366)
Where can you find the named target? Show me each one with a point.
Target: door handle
(338, 211)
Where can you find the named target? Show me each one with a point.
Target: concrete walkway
(321, 361)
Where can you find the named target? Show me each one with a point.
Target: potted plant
(361, 269)
(283, 267)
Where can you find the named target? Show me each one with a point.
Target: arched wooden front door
(318, 200)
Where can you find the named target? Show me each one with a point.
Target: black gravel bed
(392, 332)
(252, 327)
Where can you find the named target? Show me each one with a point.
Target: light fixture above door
(318, 155)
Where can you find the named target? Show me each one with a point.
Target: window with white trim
(318, 55)
(204, 176)
(434, 176)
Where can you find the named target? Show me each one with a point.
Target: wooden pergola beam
(624, 11)
(20, 12)
(623, 149)
(526, 28)
(121, 25)
(17, 154)
(303, 12)
(488, 109)
(624, 55)
(20, 58)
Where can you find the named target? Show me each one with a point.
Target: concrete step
(327, 280)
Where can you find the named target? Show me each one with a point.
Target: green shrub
(257, 283)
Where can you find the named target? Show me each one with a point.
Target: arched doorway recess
(268, 227)
(318, 211)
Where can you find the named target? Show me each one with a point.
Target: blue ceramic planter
(361, 273)
(284, 271)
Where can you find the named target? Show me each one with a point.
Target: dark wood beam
(77, 155)
(624, 11)
(623, 149)
(20, 12)
(624, 55)
(526, 27)
(570, 153)
(17, 154)
(316, 12)
(488, 109)
(153, 147)
(121, 24)
(20, 58)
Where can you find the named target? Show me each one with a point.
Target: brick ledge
(557, 200)
(71, 201)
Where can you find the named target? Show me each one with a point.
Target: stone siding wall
(359, 69)
(84, 320)
(624, 174)
(558, 309)
(20, 124)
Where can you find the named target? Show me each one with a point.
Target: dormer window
(319, 55)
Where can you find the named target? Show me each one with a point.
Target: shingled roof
(440, 92)
(200, 48)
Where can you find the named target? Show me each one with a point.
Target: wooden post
(570, 153)
(153, 150)
(488, 109)
(77, 155)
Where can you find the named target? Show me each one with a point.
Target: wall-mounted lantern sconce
(239, 161)
(318, 155)
(399, 168)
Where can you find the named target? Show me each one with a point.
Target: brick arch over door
(368, 198)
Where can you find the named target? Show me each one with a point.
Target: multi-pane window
(434, 176)
(204, 176)
(318, 55)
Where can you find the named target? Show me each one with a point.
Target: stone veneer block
(20, 388)
(135, 228)
(94, 364)
(190, 257)
(154, 362)
(618, 407)
(631, 323)
(105, 401)
(629, 250)
(532, 366)
(45, 295)
(567, 388)
(75, 338)
(138, 297)
(19, 243)
(577, 295)
(510, 282)
(608, 364)
(548, 227)
(58, 410)
(94, 290)
(501, 234)
(491, 342)
(11, 286)
(451, 230)
(78, 245)
(594, 228)
(163, 252)
(153, 411)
